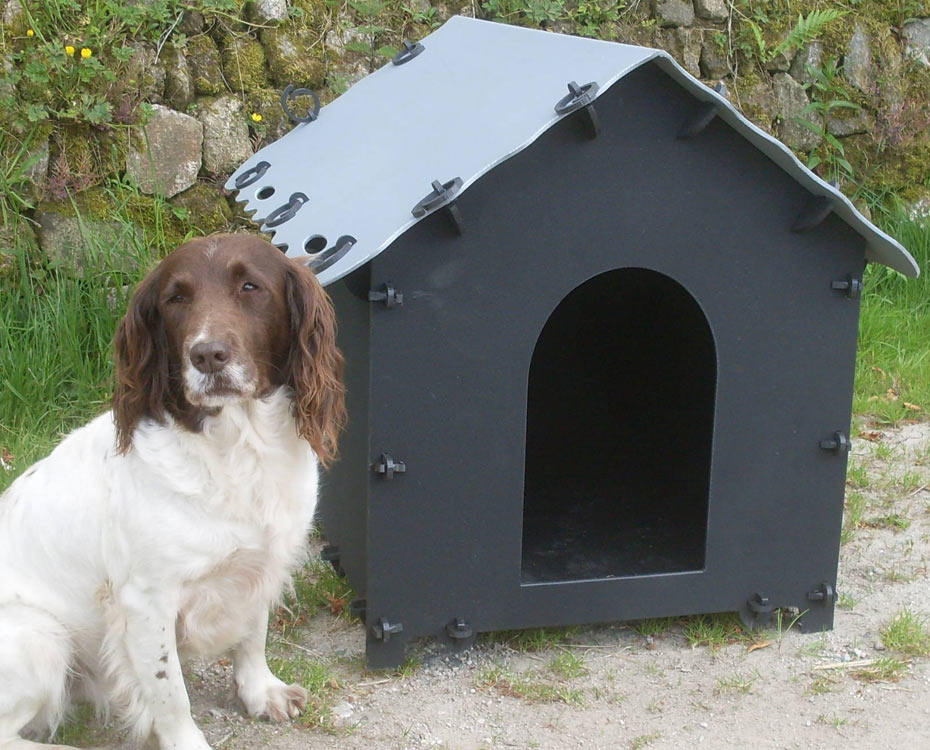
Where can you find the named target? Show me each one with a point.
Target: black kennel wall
(610, 380)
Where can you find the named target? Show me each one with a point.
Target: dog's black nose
(209, 356)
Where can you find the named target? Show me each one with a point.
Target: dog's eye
(176, 299)
(249, 287)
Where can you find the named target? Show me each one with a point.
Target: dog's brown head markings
(226, 318)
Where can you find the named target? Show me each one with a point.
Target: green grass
(529, 687)
(893, 364)
(319, 680)
(907, 633)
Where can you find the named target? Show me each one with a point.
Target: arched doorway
(619, 432)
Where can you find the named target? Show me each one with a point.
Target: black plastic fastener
(459, 629)
(581, 97)
(251, 175)
(291, 92)
(760, 605)
(839, 443)
(387, 294)
(850, 285)
(330, 256)
(410, 51)
(383, 630)
(823, 593)
(285, 212)
(388, 467)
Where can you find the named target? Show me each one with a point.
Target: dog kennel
(599, 330)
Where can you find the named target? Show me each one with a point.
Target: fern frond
(808, 28)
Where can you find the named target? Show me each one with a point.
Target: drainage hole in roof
(315, 243)
(265, 192)
(282, 247)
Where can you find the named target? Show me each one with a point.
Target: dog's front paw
(274, 700)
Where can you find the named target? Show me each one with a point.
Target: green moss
(244, 64)
(205, 65)
(294, 57)
(202, 207)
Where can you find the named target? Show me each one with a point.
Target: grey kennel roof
(478, 94)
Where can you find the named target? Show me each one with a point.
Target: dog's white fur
(114, 567)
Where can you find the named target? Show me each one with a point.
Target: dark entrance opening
(619, 429)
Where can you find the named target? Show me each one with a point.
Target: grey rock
(810, 55)
(852, 124)
(419, 6)
(673, 12)
(166, 159)
(685, 46)
(145, 72)
(714, 63)
(857, 64)
(791, 100)
(270, 10)
(68, 241)
(917, 39)
(712, 10)
(12, 12)
(192, 22)
(225, 134)
(780, 63)
(179, 82)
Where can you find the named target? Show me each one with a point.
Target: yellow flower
(30, 32)
(256, 117)
(85, 52)
(70, 50)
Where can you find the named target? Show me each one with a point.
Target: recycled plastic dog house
(600, 333)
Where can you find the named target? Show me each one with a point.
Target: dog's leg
(262, 693)
(35, 652)
(143, 629)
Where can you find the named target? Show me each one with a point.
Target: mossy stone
(206, 68)
(244, 64)
(293, 57)
(205, 207)
(274, 122)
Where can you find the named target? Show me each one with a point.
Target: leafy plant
(370, 11)
(532, 12)
(828, 94)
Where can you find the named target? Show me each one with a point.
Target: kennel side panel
(342, 514)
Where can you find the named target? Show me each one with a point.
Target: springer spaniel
(170, 526)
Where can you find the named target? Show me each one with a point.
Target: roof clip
(581, 97)
(285, 212)
(704, 115)
(290, 93)
(442, 196)
(329, 257)
(251, 176)
(410, 51)
(815, 212)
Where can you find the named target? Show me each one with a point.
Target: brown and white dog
(171, 525)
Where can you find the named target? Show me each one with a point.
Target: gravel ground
(614, 687)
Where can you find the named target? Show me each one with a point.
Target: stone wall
(852, 101)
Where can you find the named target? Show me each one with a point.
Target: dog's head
(222, 319)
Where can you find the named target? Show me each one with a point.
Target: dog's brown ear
(140, 353)
(314, 364)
